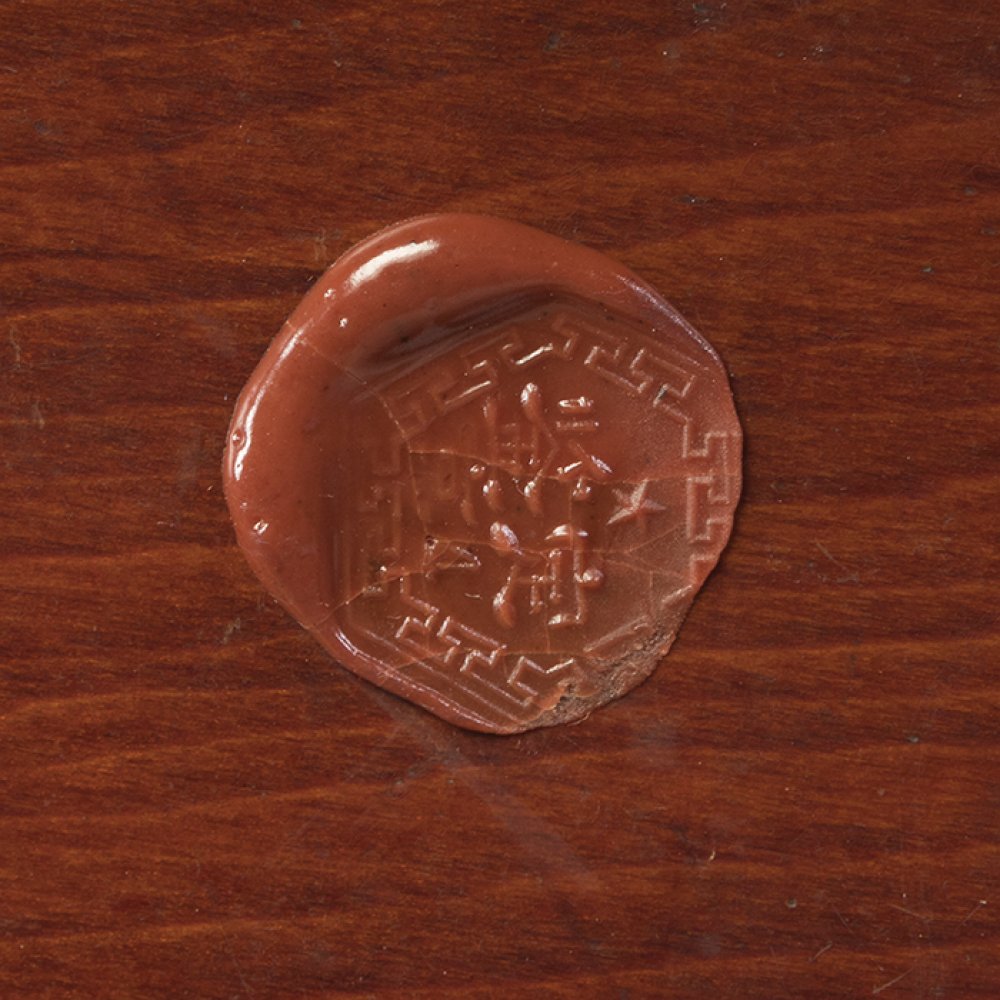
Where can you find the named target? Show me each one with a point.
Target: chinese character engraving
(504, 536)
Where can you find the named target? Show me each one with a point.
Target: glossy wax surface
(487, 468)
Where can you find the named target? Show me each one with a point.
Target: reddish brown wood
(802, 801)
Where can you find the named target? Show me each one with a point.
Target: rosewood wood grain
(801, 802)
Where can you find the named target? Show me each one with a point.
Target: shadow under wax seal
(487, 469)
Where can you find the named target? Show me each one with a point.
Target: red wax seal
(487, 469)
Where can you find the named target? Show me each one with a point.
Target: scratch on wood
(840, 917)
(892, 982)
(979, 904)
(911, 913)
(230, 630)
(236, 965)
(822, 951)
(851, 575)
(12, 340)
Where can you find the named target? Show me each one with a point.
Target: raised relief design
(535, 543)
(634, 505)
(487, 469)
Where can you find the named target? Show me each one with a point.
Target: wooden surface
(802, 802)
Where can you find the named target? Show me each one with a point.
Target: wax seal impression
(487, 469)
